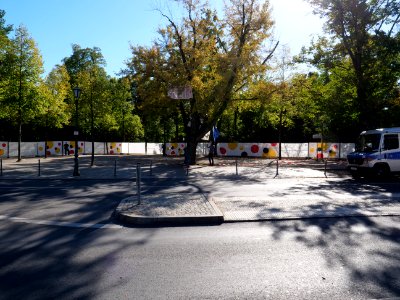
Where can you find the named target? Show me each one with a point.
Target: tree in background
(216, 57)
(362, 41)
(54, 90)
(86, 69)
(104, 105)
(22, 100)
(5, 30)
(125, 123)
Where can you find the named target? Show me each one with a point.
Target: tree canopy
(363, 40)
(235, 75)
(215, 57)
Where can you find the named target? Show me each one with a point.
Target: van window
(369, 142)
(391, 141)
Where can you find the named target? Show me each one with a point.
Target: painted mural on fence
(3, 149)
(175, 149)
(114, 148)
(324, 150)
(59, 148)
(265, 150)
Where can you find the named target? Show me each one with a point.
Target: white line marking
(61, 224)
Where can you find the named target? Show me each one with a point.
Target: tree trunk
(45, 138)
(92, 129)
(92, 161)
(191, 148)
(19, 139)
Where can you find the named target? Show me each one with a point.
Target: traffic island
(169, 209)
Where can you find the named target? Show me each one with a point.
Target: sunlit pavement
(231, 190)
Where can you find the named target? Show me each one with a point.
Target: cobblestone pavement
(167, 205)
(169, 209)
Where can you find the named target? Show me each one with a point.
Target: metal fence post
(39, 168)
(236, 164)
(1, 167)
(326, 163)
(138, 178)
(277, 168)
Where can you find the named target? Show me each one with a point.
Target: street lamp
(77, 93)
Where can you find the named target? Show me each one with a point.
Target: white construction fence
(266, 150)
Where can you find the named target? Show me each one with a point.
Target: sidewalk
(242, 190)
(125, 167)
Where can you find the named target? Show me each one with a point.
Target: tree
(216, 57)
(124, 120)
(86, 69)
(55, 90)
(4, 45)
(365, 32)
(21, 92)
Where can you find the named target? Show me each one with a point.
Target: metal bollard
(187, 170)
(326, 163)
(115, 168)
(236, 163)
(39, 168)
(1, 167)
(277, 168)
(138, 179)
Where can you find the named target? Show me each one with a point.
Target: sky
(114, 25)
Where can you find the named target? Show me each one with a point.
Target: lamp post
(77, 93)
(281, 113)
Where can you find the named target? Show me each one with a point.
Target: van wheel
(382, 171)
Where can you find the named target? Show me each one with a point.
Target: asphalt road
(87, 202)
(58, 241)
(345, 258)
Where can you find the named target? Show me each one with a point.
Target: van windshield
(369, 142)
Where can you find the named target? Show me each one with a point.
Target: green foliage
(216, 57)
(362, 35)
(127, 124)
(237, 83)
(21, 81)
(55, 90)
(105, 105)
(21, 99)
(4, 45)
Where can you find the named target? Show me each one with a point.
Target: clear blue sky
(112, 25)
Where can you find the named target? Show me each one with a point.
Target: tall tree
(124, 120)
(86, 69)
(215, 57)
(367, 32)
(23, 68)
(5, 30)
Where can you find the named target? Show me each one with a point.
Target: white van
(377, 152)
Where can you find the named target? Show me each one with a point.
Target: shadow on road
(53, 262)
(344, 244)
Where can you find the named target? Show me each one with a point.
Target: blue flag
(215, 133)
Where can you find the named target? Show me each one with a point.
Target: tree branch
(180, 45)
(270, 54)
